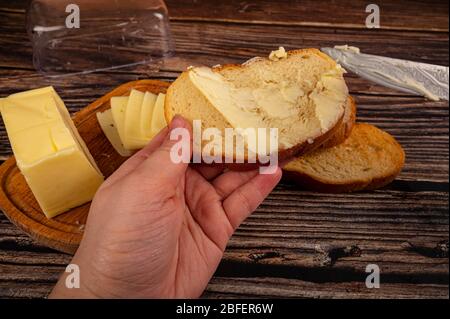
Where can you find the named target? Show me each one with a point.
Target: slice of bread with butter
(302, 93)
(345, 128)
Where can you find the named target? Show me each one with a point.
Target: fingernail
(177, 121)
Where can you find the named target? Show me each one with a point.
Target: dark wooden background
(297, 244)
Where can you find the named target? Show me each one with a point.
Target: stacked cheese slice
(49, 151)
(133, 120)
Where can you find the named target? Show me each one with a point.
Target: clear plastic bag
(92, 35)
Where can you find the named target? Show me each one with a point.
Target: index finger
(137, 158)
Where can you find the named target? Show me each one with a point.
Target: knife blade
(416, 78)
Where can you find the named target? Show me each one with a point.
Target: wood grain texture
(212, 42)
(316, 251)
(401, 15)
(275, 288)
(65, 231)
(298, 244)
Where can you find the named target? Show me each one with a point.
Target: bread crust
(322, 185)
(291, 153)
(315, 51)
(344, 131)
(283, 155)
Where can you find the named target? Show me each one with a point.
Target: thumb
(166, 162)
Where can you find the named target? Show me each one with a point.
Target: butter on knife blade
(416, 78)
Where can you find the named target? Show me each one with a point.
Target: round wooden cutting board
(65, 231)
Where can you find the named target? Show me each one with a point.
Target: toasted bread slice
(303, 94)
(369, 159)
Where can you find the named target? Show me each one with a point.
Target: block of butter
(49, 151)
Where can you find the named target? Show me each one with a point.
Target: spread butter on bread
(302, 93)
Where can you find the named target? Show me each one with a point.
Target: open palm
(157, 229)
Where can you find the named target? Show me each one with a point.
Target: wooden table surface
(297, 244)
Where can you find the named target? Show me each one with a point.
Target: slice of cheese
(158, 118)
(148, 106)
(133, 139)
(118, 108)
(106, 121)
(150, 121)
(49, 151)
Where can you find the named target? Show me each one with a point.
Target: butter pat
(49, 151)
(330, 91)
(278, 54)
(247, 107)
(347, 47)
(238, 106)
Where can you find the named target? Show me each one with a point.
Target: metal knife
(416, 78)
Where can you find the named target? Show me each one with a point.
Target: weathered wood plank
(24, 290)
(20, 269)
(401, 15)
(266, 287)
(30, 273)
(312, 231)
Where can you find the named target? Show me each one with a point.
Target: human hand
(157, 229)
